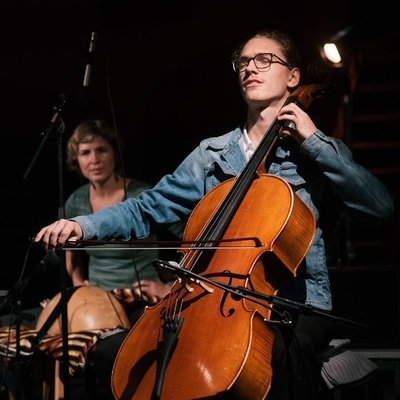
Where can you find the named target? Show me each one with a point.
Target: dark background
(161, 72)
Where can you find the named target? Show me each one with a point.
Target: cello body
(220, 346)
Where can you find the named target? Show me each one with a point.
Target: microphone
(84, 93)
(51, 259)
(165, 270)
(89, 60)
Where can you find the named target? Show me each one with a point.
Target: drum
(89, 308)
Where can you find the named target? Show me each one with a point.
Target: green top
(111, 269)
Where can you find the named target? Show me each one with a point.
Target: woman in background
(94, 152)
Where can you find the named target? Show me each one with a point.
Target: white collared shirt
(246, 145)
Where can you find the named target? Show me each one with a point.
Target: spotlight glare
(332, 53)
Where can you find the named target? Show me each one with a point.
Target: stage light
(332, 53)
(336, 50)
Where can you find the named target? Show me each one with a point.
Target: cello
(201, 341)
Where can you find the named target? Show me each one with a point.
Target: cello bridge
(186, 283)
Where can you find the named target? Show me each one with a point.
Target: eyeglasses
(261, 61)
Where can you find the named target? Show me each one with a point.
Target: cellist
(320, 170)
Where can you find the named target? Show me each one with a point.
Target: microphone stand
(13, 299)
(57, 124)
(252, 295)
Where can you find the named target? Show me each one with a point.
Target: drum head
(89, 308)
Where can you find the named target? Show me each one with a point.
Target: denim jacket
(321, 171)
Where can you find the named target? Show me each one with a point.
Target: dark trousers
(103, 362)
(296, 371)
